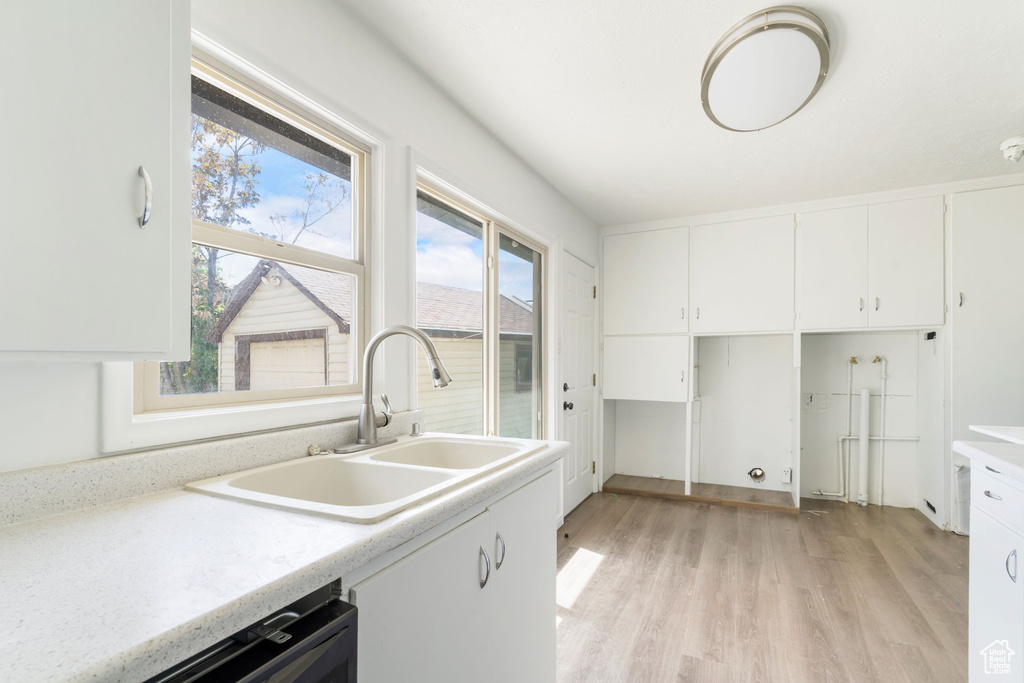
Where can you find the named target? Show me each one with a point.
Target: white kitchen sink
(371, 485)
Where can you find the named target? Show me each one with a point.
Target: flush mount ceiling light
(765, 68)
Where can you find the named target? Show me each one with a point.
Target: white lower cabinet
(996, 601)
(477, 604)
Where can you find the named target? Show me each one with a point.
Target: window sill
(123, 430)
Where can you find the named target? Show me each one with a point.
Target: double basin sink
(371, 485)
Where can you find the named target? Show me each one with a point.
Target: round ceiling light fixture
(765, 68)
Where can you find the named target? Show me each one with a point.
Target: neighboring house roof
(453, 309)
(440, 308)
(330, 292)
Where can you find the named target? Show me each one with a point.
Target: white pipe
(881, 430)
(865, 445)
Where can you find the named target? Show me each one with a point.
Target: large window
(479, 294)
(278, 275)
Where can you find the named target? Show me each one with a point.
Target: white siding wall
(458, 408)
(283, 309)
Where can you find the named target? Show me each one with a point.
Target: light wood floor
(719, 494)
(682, 591)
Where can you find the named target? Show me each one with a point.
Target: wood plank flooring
(717, 494)
(658, 590)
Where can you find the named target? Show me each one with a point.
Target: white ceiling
(602, 97)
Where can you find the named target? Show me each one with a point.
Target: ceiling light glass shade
(765, 68)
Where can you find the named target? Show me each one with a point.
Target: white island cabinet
(996, 576)
(94, 93)
(476, 604)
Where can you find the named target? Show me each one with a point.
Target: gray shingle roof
(439, 307)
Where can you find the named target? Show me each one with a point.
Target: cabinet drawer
(992, 493)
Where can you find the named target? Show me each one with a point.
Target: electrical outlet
(787, 475)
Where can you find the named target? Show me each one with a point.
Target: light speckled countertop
(1007, 458)
(122, 591)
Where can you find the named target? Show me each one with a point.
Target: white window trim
(124, 430)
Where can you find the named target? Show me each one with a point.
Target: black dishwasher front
(312, 640)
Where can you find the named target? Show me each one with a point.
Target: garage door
(287, 364)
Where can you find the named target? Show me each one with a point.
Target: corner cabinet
(477, 604)
(742, 276)
(645, 283)
(106, 94)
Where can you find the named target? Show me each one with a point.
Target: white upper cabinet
(833, 269)
(647, 368)
(94, 91)
(906, 263)
(742, 276)
(646, 282)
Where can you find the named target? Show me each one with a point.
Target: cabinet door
(425, 617)
(742, 276)
(105, 93)
(521, 602)
(647, 368)
(833, 269)
(988, 294)
(996, 600)
(645, 283)
(906, 263)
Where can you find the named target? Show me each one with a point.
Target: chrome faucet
(369, 420)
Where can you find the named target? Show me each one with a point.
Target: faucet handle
(388, 412)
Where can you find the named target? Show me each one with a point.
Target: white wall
(650, 439)
(323, 52)
(824, 411)
(744, 412)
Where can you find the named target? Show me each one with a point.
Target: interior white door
(996, 599)
(521, 611)
(106, 94)
(742, 276)
(579, 393)
(645, 282)
(833, 269)
(647, 368)
(906, 269)
(988, 296)
(431, 606)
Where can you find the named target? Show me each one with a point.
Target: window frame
(493, 228)
(146, 393)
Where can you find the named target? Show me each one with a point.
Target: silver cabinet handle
(993, 496)
(499, 542)
(876, 303)
(698, 313)
(1013, 576)
(148, 208)
(682, 375)
(684, 313)
(487, 565)
(992, 470)
(862, 303)
(961, 299)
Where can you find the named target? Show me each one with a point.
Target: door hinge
(595, 291)
(593, 467)
(594, 379)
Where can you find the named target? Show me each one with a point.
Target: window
(278, 254)
(479, 294)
